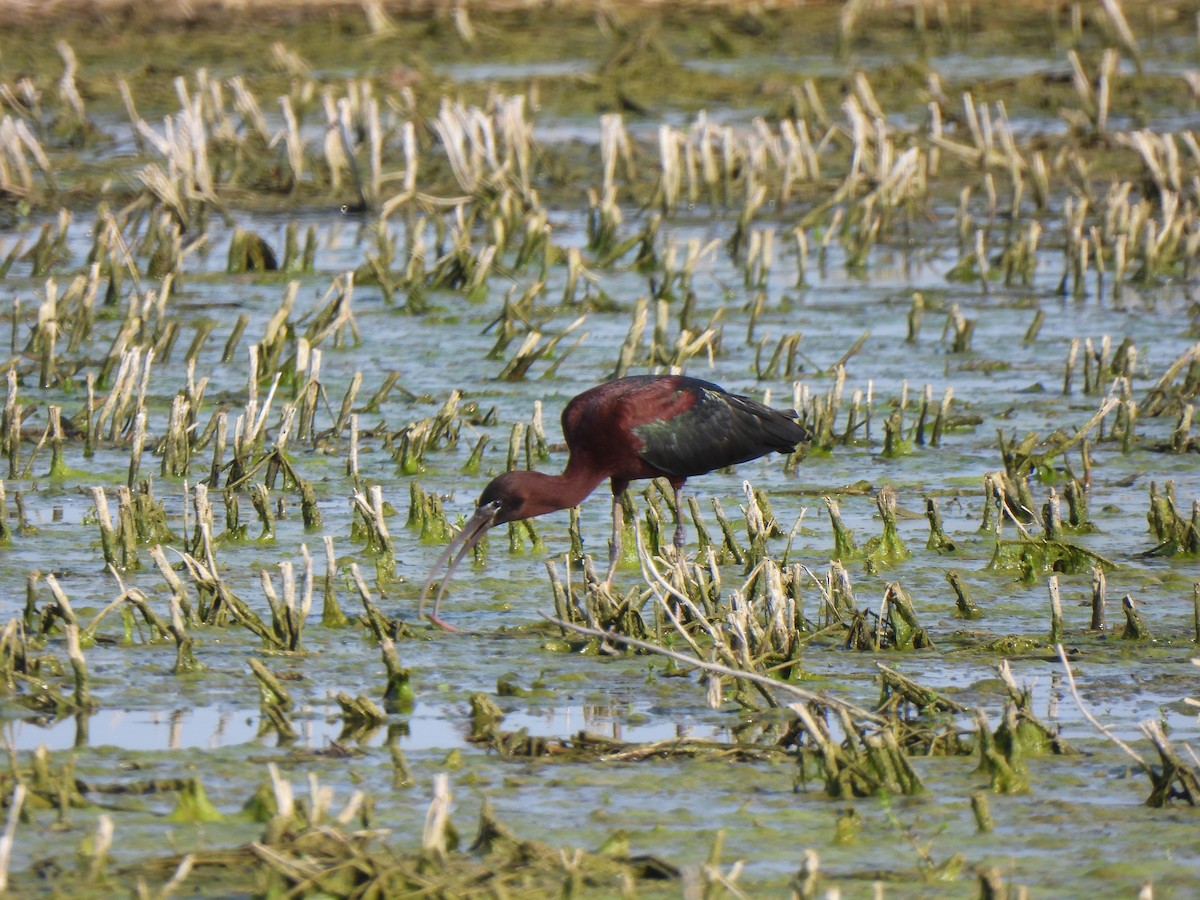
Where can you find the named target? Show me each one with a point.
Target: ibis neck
(548, 493)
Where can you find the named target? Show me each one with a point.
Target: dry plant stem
(83, 698)
(437, 820)
(173, 581)
(654, 577)
(101, 844)
(1174, 770)
(376, 621)
(938, 540)
(401, 774)
(274, 693)
(982, 812)
(122, 596)
(1099, 583)
(5, 531)
(64, 610)
(991, 884)
(1055, 611)
(1196, 613)
(1134, 630)
(994, 485)
(10, 831)
(752, 677)
(965, 606)
(331, 612)
(1092, 720)
(14, 442)
(182, 871)
(911, 690)
(185, 660)
(108, 534)
(360, 711)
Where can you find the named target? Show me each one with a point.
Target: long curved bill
(462, 543)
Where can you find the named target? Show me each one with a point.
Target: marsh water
(1081, 827)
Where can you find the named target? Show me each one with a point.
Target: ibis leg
(680, 537)
(614, 543)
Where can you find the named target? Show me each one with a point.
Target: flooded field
(283, 294)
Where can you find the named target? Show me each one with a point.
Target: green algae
(193, 805)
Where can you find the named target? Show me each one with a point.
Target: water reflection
(427, 728)
(609, 721)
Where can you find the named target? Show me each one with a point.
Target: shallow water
(163, 721)
(150, 721)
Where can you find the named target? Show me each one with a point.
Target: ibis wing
(719, 430)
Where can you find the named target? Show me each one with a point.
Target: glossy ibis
(643, 426)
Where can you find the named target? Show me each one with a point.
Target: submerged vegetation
(273, 274)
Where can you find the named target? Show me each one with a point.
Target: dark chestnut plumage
(643, 426)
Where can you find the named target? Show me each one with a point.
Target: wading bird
(643, 426)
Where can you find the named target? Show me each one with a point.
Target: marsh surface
(431, 306)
